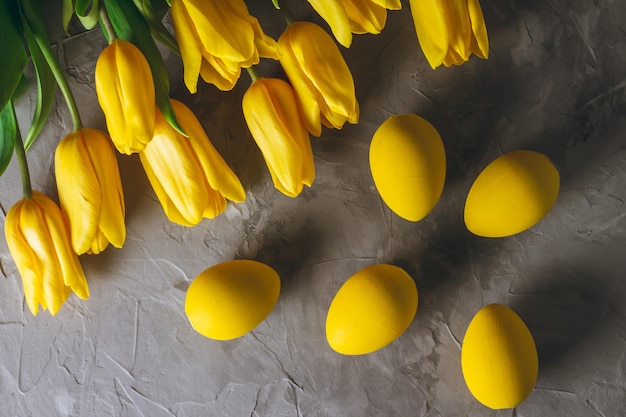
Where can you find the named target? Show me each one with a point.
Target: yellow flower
(90, 190)
(275, 121)
(319, 75)
(449, 31)
(188, 175)
(38, 238)
(217, 39)
(125, 89)
(346, 17)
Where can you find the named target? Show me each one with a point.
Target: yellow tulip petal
(216, 204)
(112, 210)
(307, 98)
(72, 271)
(99, 243)
(459, 28)
(429, 17)
(453, 58)
(450, 31)
(125, 90)
(169, 159)
(334, 13)
(33, 289)
(389, 4)
(266, 46)
(23, 256)
(35, 224)
(480, 40)
(222, 28)
(38, 239)
(90, 190)
(271, 112)
(319, 74)
(302, 84)
(215, 71)
(78, 188)
(217, 39)
(218, 174)
(190, 46)
(169, 208)
(365, 16)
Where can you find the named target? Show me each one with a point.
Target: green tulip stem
(253, 74)
(59, 76)
(287, 14)
(106, 23)
(22, 162)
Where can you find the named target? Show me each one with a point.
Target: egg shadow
(286, 251)
(561, 310)
(436, 266)
(447, 248)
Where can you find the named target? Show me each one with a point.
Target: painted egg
(371, 309)
(228, 300)
(499, 358)
(408, 165)
(513, 193)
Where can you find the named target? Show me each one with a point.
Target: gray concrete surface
(555, 82)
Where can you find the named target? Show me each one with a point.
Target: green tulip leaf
(154, 16)
(276, 4)
(67, 13)
(46, 86)
(161, 34)
(8, 132)
(22, 88)
(130, 25)
(11, 50)
(87, 12)
(30, 17)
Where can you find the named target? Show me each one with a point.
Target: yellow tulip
(449, 31)
(38, 238)
(320, 77)
(188, 175)
(125, 90)
(217, 39)
(90, 190)
(273, 116)
(346, 17)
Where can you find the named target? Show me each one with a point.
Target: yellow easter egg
(499, 358)
(228, 300)
(408, 165)
(513, 193)
(371, 309)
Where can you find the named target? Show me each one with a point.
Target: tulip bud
(276, 124)
(188, 175)
(320, 77)
(217, 39)
(90, 190)
(449, 31)
(38, 238)
(125, 89)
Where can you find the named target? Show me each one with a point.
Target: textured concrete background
(555, 82)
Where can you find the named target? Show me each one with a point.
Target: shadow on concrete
(561, 311)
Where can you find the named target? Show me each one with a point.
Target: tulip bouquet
(215, 39)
